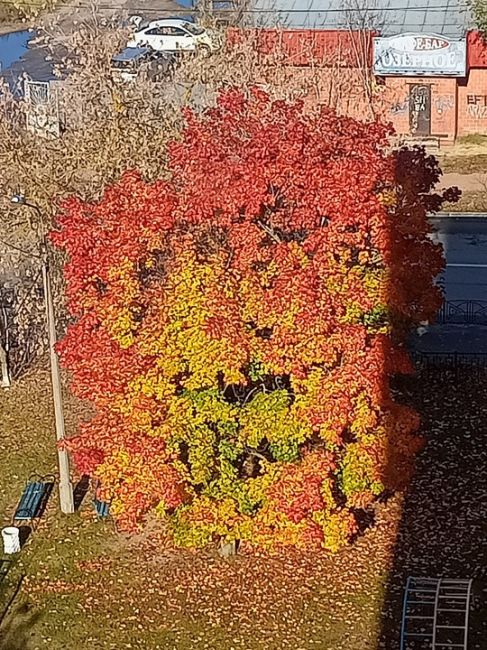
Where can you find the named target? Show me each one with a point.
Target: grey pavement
(476, 182)
(440, 339)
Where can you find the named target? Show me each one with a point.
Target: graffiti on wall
(477, 106)
(400, 107)
(420, 109)
(444, 103)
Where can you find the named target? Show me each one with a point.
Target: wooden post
(5, 376)
(228, 549)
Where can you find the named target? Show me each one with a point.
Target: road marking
(470, 266)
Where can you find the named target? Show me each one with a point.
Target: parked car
(132, 62)
(138, 22)
(174, 35)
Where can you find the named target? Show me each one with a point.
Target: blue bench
(102, 508)
(34, 499)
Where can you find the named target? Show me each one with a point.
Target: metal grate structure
(463, 312)
(435, 614)
(37, 92)
(449, 361)
(42, 108)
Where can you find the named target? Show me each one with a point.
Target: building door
(420, 109)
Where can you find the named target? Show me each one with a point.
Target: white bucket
(11, 540)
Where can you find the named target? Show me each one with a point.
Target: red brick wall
(458, 106)
(345, 92)
(301, 46)
(472, 104)
(443, 104)
(476, 50)
(305, 47)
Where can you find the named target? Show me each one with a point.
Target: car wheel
(204, 51)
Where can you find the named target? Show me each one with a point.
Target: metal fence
(463, 312)
(451, 364)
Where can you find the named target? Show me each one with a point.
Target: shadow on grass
(24, 534)
(16, 624)
(80, 490)
(16, 629)
(443, 530)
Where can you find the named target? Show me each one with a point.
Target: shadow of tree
(16, 629)
(443, 531)
(80, 490)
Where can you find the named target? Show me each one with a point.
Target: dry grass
(469, 202)
(464, 164)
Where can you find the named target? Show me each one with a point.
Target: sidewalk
(466, 182)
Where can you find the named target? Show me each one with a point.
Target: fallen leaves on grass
(471, 164)
(136, 594)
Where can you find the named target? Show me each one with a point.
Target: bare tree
(363, 21)
(479, 11)
(106, 129)
(334, 73)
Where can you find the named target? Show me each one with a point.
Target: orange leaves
(302, 488)
(237, 324)
(134, 481)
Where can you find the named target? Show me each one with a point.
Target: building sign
(420, 54)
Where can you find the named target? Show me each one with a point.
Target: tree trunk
(5, 376)
(228, 549)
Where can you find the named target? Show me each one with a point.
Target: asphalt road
(464, 239)
(448, 339)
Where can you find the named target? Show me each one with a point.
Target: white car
(174, 35)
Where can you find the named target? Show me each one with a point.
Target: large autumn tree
(237, 324)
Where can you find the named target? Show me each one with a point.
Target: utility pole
(66, 498)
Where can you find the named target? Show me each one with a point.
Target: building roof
(450, 18)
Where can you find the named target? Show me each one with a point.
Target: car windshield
(123, 65)
(130, 58)
(193, 29)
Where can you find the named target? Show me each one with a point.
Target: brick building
(430, 66)
(449, 98)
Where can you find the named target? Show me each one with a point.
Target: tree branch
(270, 232)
